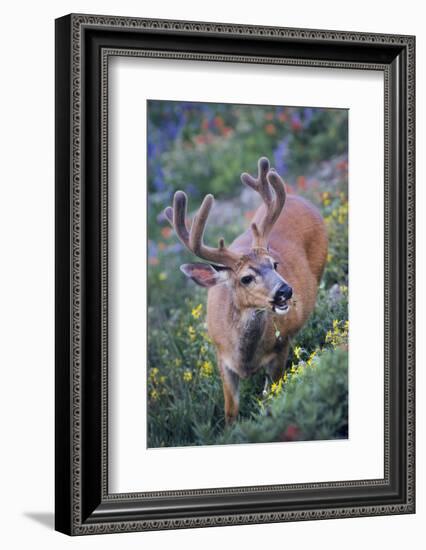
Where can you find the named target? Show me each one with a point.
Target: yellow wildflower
(187, 376)
(191, 332)
(154, 394)
(326, 198)
(196, 311)
(339, 334)
(344, 290)
(297, 351)
(311, 357)
(206, 369)
(153, 373)
(277, 387)
(342, 213)
(162, 276)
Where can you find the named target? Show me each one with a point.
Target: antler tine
(273, 210)
(278, 186)
(221, 255)
(267, 180)
(260, 184)
(177, 216)
(193, 239)
(198, 226)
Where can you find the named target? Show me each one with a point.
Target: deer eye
(275, 265)
(247, 279)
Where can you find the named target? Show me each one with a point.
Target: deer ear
(206, 275)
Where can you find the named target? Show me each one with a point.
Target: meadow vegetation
(203, 148)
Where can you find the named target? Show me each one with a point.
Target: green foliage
(312, 404)
(210, 143)
(328, 309)
(184, 391)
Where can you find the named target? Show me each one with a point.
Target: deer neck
(249, 325)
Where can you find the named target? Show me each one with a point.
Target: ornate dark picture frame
(84, 44)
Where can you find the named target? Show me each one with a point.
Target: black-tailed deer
(263, 287)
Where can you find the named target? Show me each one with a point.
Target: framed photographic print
(234, 274)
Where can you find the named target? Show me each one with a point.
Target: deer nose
(284, 292)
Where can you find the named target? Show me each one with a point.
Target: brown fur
(242, 317)
(298, 241)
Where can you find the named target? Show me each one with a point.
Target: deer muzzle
(280, 302)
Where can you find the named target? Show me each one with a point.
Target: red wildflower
(296, 124)
(270, 129)
(154, 260)
(301, 183)
(200, 139)
(342, 165)
(292, 433)
(167, 232)
(219, 122)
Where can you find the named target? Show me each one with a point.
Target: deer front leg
(231, 383)
(276, 367)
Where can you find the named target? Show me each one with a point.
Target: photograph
(248, 273)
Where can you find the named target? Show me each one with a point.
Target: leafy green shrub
(313, 404)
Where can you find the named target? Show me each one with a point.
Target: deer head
(251, 274)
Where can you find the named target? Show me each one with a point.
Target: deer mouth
(280, 307)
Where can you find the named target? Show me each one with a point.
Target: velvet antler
(193, 239)
(266, 181)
